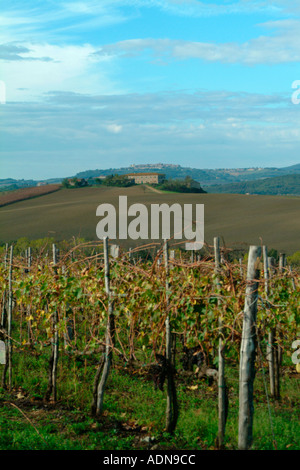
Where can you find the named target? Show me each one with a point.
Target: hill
(280, 185)
(240, 219)
(292, 168)
(204, 176)
(11, 197)
(10, 184)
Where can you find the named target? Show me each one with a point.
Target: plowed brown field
(27, 193)
(239, 219)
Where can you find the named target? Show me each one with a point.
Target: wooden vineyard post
(282, 262)
(241, 267)
(55, 340)
(69, 333)
(271, 265)
(277, 347)
(29, 329)
(270, 344)
(4, 301)
(115, 251)
(52, 388)
(5, 256)
(222, 404)
(248, 351)
(266, 269)
(8, 362)
(69, 329)
(130, 255)
(273, 340)
(99, 384)
(55, 355)
(54, 254)
(172, 405)
(292, 278)
(29, 257)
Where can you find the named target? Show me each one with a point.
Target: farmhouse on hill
(150, 178)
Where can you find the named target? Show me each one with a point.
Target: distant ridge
(292, 168)
(279, 185)
(206, 177)
(203, 176)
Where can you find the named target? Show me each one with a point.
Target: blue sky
(108, 83)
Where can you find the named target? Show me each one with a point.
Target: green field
(239, 219)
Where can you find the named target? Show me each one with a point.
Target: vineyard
(158, 314)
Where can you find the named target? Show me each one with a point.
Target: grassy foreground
(134, 413)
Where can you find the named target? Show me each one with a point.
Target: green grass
(48, 432)
(133, 409)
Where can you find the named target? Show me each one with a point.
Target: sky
(110, 83)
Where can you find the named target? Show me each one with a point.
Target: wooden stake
(282, 262)
(221, 368)
(248, 352)
(9, 318)
(54, 253)
(172, 405)
(292, 278)
(29, 328)
(55, 355)
(270, 344)
(52, 386)
(29, 257)
(277, 347)
(4, 299)
(5, 256)
(109, 338)
(55, 342)
(241, 267)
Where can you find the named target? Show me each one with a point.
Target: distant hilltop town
(145, 166)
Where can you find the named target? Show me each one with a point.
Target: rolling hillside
(10, 197)
(280, 185)
(203, 176)
(240, 219)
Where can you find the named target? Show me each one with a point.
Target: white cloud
(46, 62)
(114, 128)
(67, 68)
(51, 20)
(85, 122)
(282, 47)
